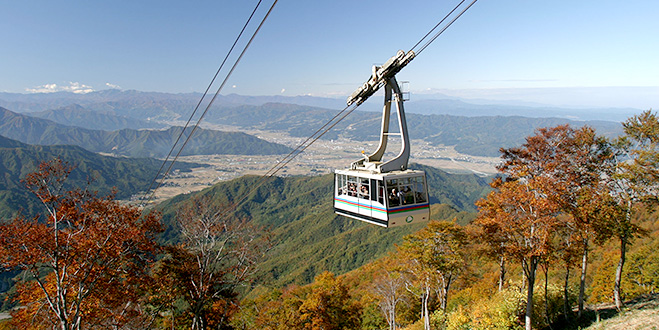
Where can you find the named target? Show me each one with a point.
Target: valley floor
(320, 158)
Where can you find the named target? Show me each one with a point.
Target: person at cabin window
(363, 191)
(393, 198)
(409, 198)
(401, 196)
(352, 191)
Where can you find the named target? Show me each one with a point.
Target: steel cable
(214, 96)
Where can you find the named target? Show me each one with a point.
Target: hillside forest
(569, 222)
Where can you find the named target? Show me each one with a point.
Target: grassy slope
(309, 238)
(640, 313)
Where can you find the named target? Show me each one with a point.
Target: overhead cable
(214, 96)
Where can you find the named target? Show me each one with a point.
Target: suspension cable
(228, 75)
(438, 24)
(300, 148)
(443, 28)
(198, 104)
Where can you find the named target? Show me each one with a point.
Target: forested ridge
(128, 176)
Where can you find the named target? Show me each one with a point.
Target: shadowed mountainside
(133, 143)
(128, 175)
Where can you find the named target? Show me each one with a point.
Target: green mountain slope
(128, 175)
(308, 236)
(133, 143)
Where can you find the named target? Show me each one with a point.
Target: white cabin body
(385, 199)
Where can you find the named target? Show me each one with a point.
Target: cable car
(384, 193)
(384, 199)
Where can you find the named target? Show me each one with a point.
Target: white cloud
(112, 86)
(73, 87)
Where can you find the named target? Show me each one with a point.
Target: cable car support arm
(385, 75)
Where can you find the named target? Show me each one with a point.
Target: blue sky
(578, 53)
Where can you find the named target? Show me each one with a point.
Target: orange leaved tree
(434, 257)
(85, 259)
(521, 222)
(572, 163)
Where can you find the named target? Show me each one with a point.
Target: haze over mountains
(447, 122)
(121, 102)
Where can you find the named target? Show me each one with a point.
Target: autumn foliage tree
(389, 288)
(520, 221)
(329, 306)
(571, 163)
(86, 258)
(433, 258)
(633, 179)
(216, 256)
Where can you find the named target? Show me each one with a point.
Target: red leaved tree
(571, 163)
(85, 258)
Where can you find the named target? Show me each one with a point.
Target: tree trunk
(426, 318)
(530, 274)
(582, 280)
(618, 281)
(502, 272)
(546, 269)
(445, 289)
(198, 319)
(566, 298)
(392, 317)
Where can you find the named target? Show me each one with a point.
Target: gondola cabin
(384, 193)
(384, 199)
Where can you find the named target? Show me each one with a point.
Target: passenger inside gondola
(393, 198)
(408, 197)
(363, 191)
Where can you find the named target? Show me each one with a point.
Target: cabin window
(343, 184)
(371, 189)
(353, 186)
(392, 192)
(419, 190)
(363, 188)
(405, 191)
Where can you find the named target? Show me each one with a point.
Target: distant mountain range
(128, 175)
(477, 129)
(76, 115)
(480, 136)
(161, 105)
(130, 142)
